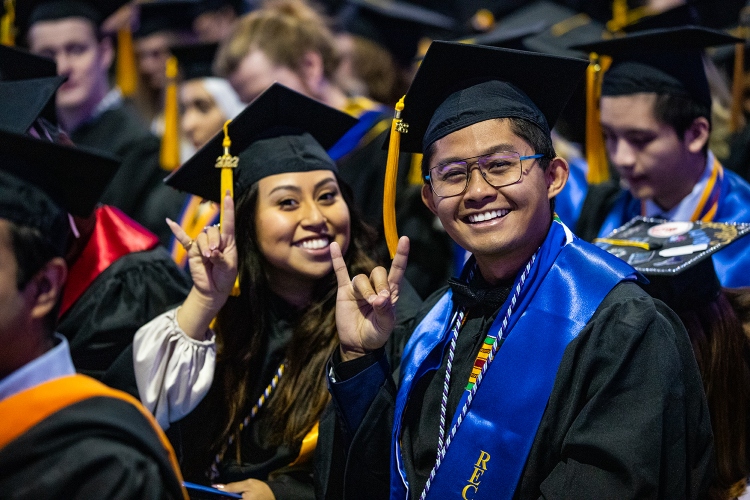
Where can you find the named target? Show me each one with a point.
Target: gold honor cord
(7, 24)
(169, 156)
(227, 163)
(391, 174)
(596, 154)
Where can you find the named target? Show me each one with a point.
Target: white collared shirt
(685, 209)
(53, 364)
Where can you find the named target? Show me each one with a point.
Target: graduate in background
(93, 113)
(63, 435)
(717, 320)
(206, 103)
(213, 20)
(655, 114)
(543, 370)
(242, 399)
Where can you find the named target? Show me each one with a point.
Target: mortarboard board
(506, 35)
(202, 6)
(19, 64)
(682, 15)
(280, 131)
(396, 26)
(660, 60)
(674, 256)
(29, 12)
(40, 182)
(458, 85)
(195, 60)
(23, 101)
(165, 15)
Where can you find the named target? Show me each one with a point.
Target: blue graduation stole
(566, 284)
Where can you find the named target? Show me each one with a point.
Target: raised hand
(212, 257)
(365, 306)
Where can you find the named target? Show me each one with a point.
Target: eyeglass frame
(468, 170)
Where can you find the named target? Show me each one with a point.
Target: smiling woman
(245, 400)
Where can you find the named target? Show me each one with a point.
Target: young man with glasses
(543, 370)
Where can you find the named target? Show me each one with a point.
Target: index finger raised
(398, 266)
(339, 266)
(227, 226)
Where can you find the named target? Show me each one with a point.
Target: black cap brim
(278, 108)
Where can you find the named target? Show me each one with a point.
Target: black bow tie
(480, 293)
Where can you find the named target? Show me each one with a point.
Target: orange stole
(24, 410)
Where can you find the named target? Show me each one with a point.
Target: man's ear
(311, 71)
(556, 176)
(427, 198)
(106, 53)
(696, 136)
(45, 288)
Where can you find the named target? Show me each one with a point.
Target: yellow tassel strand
(8, 24)
(169, 156)
(126, 73)
(738, 81)
(227, 163)
(391, 174)
(596, 154)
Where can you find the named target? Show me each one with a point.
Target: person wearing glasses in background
(543, 370)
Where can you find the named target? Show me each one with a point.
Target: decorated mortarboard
(22, 102)
(280, 131)
(165, 15)
(664, 61)
(674, 256)
(29, 12)
(40, 182)
(196, 60)
(458, 85)
(396, 26)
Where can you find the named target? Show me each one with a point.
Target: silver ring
(217, 225)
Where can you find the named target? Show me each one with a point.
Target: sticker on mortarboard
(656, 246)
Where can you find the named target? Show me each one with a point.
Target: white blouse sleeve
(173, 371)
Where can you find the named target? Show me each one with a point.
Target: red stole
(115, 235)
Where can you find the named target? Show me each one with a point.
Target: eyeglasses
(498, 169)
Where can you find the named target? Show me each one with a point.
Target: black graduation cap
(19, 64)
(660, 60)
(23, 101)
(674, 256)
(682, 15)
(203, 6)
(165, 15)
(40, 182)
(506, 35)
(195, 60)
(396, 26)
(29, 12)
(280, 131)
(458, 85)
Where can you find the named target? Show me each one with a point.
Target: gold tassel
(126, 71)
(738, 84)
(596, 153)
(391, 174)
(227, 163)
(415, 171)
(169, 156)
(7, 24)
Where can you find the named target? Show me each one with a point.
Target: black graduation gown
(261, 459)
(626, 418)
(97, 448)
(128, 294)
(137, 188)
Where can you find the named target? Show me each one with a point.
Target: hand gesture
(212, 256)
(365, 307)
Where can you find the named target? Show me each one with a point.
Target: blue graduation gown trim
(566, 284)
(351, 139)
(732, 262)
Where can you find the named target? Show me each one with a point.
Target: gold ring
(187, 245)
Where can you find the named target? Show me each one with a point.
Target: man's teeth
(492, 214)
(315, 244)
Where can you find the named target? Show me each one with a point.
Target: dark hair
(242, 324)
(540, 142)
(718, 332)
(679, 112)
(32, 251)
